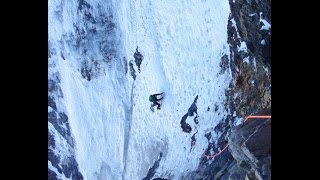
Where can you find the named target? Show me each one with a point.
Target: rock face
(59, 128)
(248, 15)
(250, 92)
(250, 146)
(248, 155)
(249, 152)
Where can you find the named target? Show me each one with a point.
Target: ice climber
(153, 98)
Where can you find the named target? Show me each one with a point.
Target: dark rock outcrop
(247, 14)
(153, 169)
(132, 70)
(251, 78)
(184, 125)
(214, 170)
(52, 175)
(250, 146)
(248, 155)
(192, 109)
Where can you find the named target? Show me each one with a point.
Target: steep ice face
(182, 44)
(87, 78)
(114, 133)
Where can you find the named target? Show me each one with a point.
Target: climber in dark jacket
(153, 98)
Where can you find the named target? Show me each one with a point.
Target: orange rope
(218, 153)
(249, 117)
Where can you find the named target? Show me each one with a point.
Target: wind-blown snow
(116, 135)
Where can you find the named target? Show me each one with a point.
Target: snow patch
(254, 64)
(246, 60)
(234, 24)
(238, 121)
(50, 109)
(243, 47)
(266, 25)
(266, 69)
(235, 95)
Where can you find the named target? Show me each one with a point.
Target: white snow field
(116, 135)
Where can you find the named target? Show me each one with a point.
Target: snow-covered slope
(115, 134)
(83, 52)
(182, 44)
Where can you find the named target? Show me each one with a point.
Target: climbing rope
(226, 146)
(256, 117)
